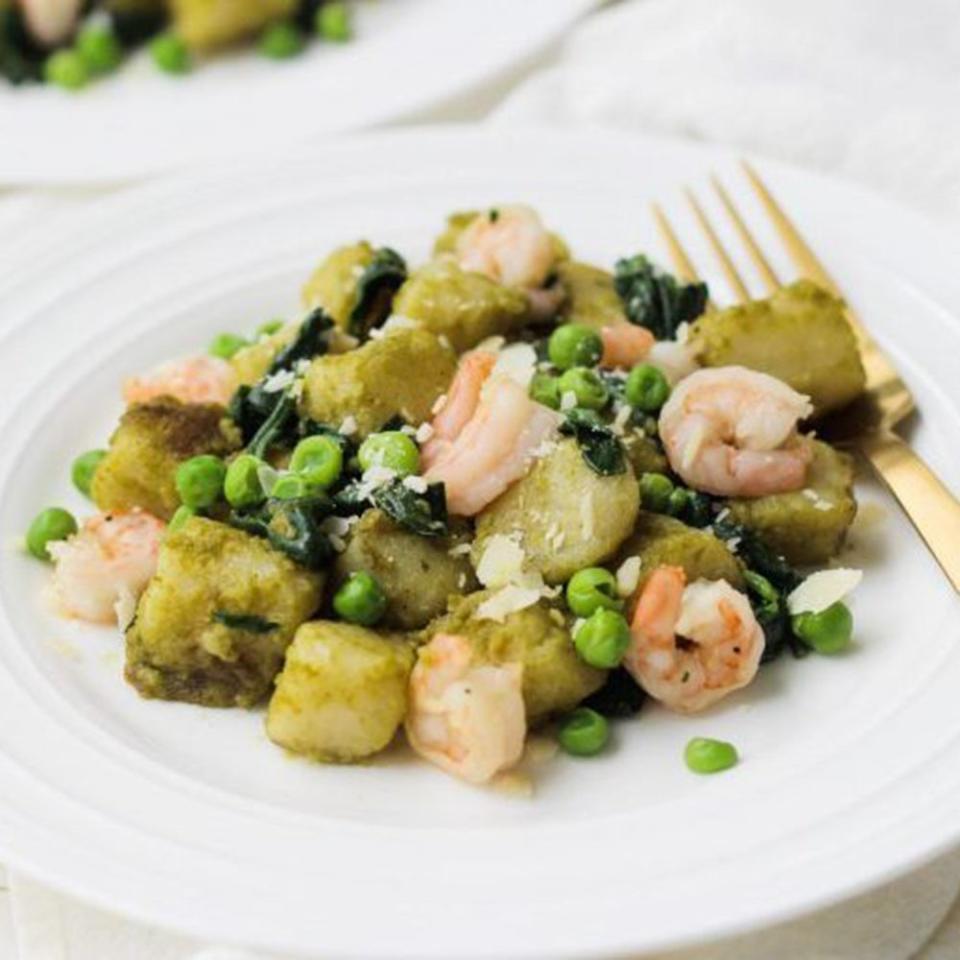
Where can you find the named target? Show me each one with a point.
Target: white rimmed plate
(190, 818)
(408, 56)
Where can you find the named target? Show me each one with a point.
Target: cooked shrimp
(733, 432)
(494, 448)
(625, 345)
(106, 565)
(50, 22)
(509, 245)
(197, 379)
(460, 402)
(470, 720)
(692, 644)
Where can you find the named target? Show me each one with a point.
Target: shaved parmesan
(507, 600)
(501, 563)
(628, 576)
(823, 589)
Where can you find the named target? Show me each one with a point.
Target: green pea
(269, 328)
(646, 388)
(333, 22)
(280, 41)
(67, 69)
(181, 515)
(574, 345)
(291, 486)
(587, 386)
(391, 449)
(360, 600)
(829, 631)
(83, 469)
(603, 638)
(678, 501)
(584, 732)
(48, 526)
(170, 53)
(545, 389)
(226, 345)
(99, 48)
(200, 481)
(703, 755)
(241, 485)
(590, 590)
(655, 492)
(319, 460)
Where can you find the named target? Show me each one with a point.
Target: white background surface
(910, 166)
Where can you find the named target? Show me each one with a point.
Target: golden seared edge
(151, 441)
(214, 623)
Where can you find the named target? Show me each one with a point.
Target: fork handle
(930, 506)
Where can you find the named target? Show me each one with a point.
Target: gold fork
(869, 425)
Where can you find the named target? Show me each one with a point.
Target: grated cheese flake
(628, 576)
(424, 433)
(439, 404)
(518, 362)
(416, 484)
(507, 600)
(823, 589)
(502, 561)
(349, 426)
(568, 401)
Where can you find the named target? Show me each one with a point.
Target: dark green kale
(21, 61)
(267, 418)
(310, 342)
(657, 300)
(620, 696)
(134, 28)
(378, 283)
(421, 513)
(248, 622)
(769, 580)
(600, 446)
(293, 527)
(757, 556)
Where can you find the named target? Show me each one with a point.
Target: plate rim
(184, 185)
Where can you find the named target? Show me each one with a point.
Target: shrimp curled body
(469, 720)
(106, 565)
(485, 436)
(692, 644)
(196, 379)
(732, 432)
(509, 245)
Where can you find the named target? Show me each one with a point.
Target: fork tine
(726, 264)
(682, 263)
(768, 275)
(801, 254)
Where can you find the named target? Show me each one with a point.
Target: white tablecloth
(867, 88)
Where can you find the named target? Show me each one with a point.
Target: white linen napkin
(866, 88)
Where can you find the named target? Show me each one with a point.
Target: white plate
(190, 818)
(408, 56)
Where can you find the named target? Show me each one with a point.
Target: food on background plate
(70, 43)
(501, 492)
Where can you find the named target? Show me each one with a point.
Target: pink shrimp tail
(460, 405)
(625, 345)
(658, 607)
